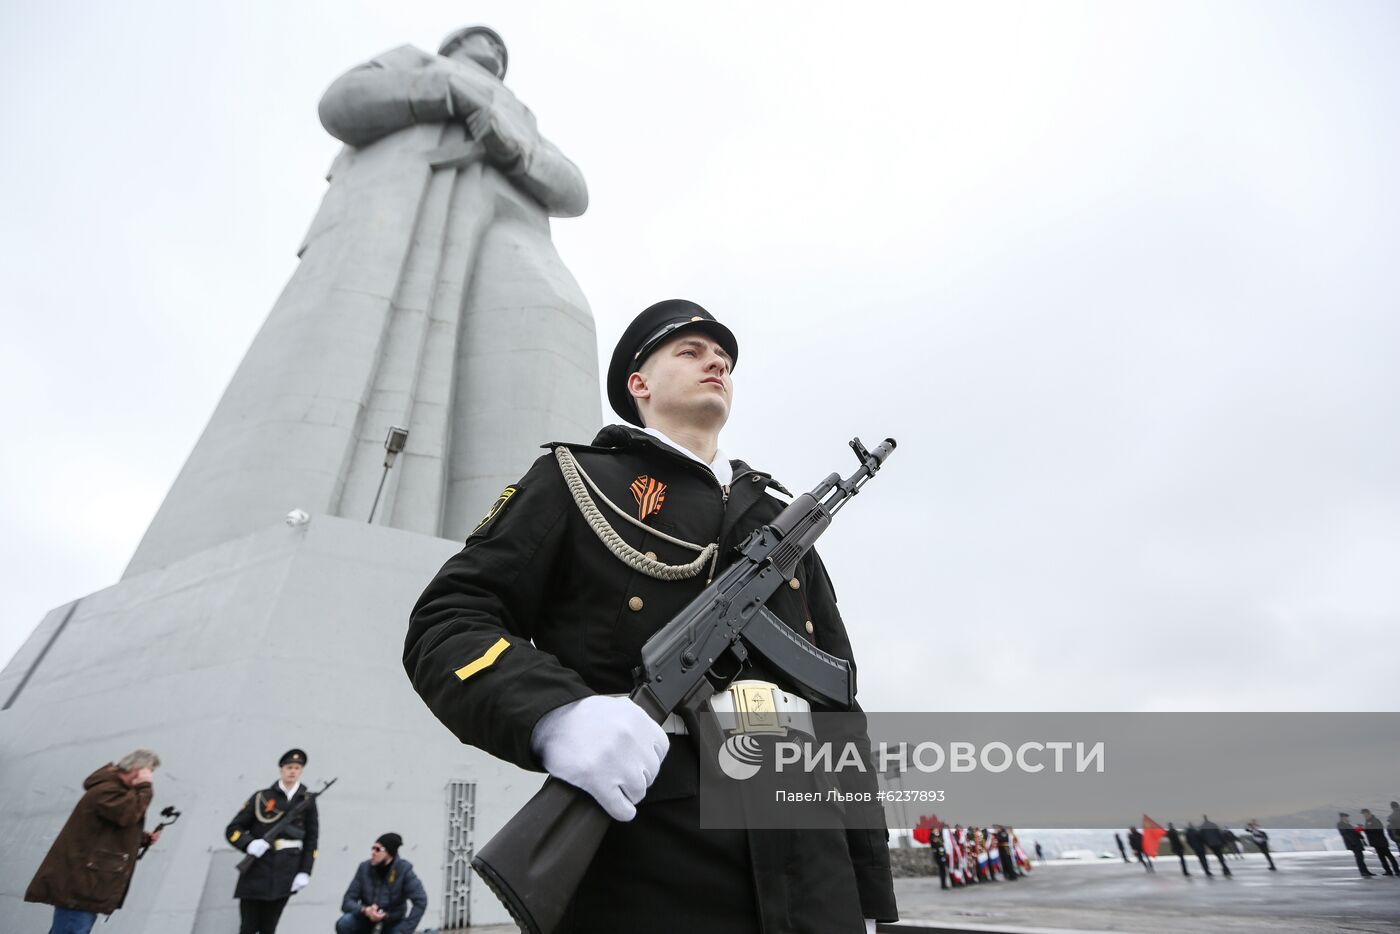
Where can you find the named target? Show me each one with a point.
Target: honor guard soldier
(525, 642)
(282, 866)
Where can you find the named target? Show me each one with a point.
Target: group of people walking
(88, 869)
(971, 855)
(1223, 842)
(1371, 831)
(1208, 837)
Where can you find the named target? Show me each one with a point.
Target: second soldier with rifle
(278, 828)
(525, 645)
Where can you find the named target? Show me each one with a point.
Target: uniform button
(651, 556)
(794, 583)
(635, 604)
(810, 628)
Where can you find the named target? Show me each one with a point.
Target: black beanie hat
(391, 843)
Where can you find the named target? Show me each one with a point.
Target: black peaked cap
(647, 332)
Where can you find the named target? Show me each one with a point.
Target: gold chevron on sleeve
(487, 659)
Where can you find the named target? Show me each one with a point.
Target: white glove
(605, 745)
(301, 881)
(258, 848)
(869, 926)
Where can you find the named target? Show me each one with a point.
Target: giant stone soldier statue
(427, 283)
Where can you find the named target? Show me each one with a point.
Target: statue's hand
(502, 149)
(487, 107)
(467, 101)
(471, 90)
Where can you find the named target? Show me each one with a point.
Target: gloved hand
(869, 926)
(258, 848)
(300, 882)
(605, 745)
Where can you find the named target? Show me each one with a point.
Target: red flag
(922, 830)
(1152, 834)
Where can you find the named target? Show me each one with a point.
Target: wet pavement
(1310, 892)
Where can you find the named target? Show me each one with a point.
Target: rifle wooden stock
(244, 864)
(537, 860)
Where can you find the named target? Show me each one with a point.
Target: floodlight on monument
(394, 444)
(393, 447)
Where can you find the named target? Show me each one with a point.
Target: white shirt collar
(720, 466)
(289, 794)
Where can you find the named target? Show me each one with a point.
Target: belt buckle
(756, 708)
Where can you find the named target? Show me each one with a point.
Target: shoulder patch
(494, 513)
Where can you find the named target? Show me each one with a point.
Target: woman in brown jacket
(89, 866)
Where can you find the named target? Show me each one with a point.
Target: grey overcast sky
(1121, 278)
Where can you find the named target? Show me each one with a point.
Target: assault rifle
(536, 861)
(282, 822)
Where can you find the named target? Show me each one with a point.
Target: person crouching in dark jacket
(88, 869)
(382, 888)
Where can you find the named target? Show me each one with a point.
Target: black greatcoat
(1351, 837)
(270, 877)
(536, 612)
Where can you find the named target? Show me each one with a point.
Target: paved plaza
(1310, 892)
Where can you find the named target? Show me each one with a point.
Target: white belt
(752, 707)
(283, 844)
